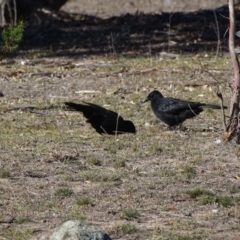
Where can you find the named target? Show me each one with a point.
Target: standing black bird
(174, 111)
(102, 119)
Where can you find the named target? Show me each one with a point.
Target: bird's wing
(85, 109)
(96, 120)
(104, 120)
(105, 112)
(176, 106)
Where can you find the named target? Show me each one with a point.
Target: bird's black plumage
(102, 119)
(174, 111)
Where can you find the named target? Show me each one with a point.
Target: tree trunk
(233, 125)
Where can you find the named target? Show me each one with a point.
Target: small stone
(147, 124)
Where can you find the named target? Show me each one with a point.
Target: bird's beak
(145, 100)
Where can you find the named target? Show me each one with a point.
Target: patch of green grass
(161, 234)
(199, 192)
(70, 159)
(18, 235)
(130, 190)
(80, 217)
(4, 173)
(225, 201)
(154, 149)
(151, 186)
(165, 173)
(50, 204)
(103, 175)
(82, 167)
(68, 178)
(64, 192)
(115, 147)
(83, 201)
(131, 213)
(75, 214)
(94, 161)
(193, 223)
(22, 220)
(207, 197)
(189, 172)
(119, 163)
(128, 228)
(204, 196)
(233, 189)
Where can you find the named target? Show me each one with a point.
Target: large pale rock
(76, 230)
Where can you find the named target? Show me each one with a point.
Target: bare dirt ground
(156, 184)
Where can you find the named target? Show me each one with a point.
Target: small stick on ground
(219, 94)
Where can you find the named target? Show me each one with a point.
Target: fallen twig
(219, 94)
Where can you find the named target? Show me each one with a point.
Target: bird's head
(130, 127)
(153, 95)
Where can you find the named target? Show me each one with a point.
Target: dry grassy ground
(157, 184)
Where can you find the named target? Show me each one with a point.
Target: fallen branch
(219, 94)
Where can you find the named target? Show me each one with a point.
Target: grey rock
(76, 230)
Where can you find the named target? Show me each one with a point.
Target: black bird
(102, 119)
(174, 111)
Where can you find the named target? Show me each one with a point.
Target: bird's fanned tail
(75, 107)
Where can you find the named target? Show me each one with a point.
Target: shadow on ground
(66, 34)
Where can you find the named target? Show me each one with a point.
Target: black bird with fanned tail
(174, 111)
(102, 119)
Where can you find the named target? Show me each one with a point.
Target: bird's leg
(181, 127)
(180, 130)
(176, 127)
